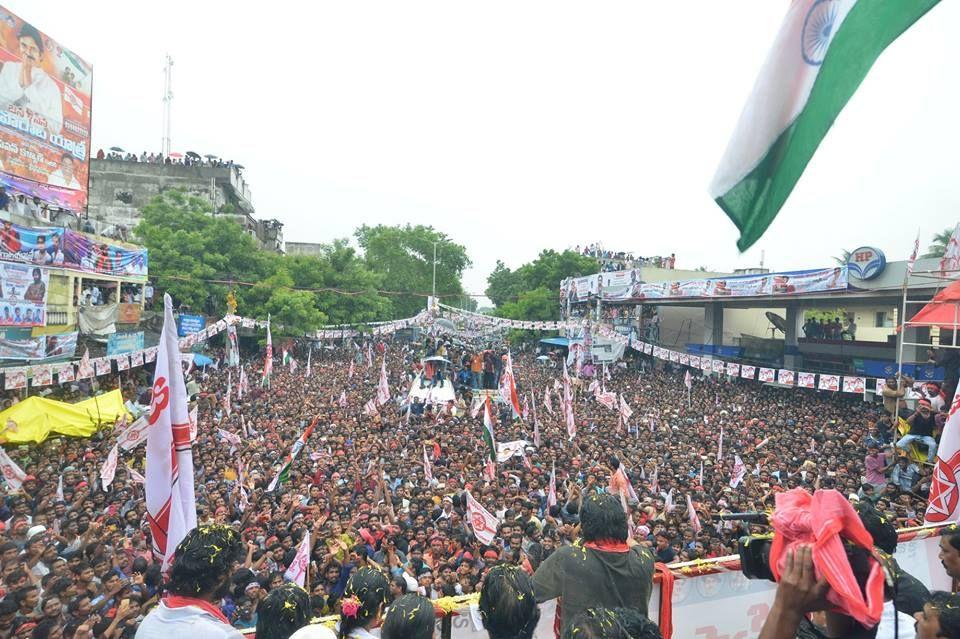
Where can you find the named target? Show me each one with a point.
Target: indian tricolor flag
(821, 55)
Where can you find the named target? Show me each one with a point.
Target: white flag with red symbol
(137, 477)
(109, 469)
(171, 505)
(508, 387)
(552, 490)
(297, 572)
(343, 399)
(688, 380)
(11, 472)
(739, 471)
(483, 523)
(242, 383)
(226, 398)
(427, 470)
(944, 493)
(568, 405)
(546, 400)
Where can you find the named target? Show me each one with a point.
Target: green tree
(403, 256)
(939, 245)
(188, 248)
(199, 258)
(546, 272)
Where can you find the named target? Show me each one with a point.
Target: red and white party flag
(11, 472)
(85, 368)
(171, 505)
(739, 471)
(547, 401)
(688, 380)
(625, 411)
(109, 469)
(231, 438)
(242, 383)
(369, 355)
(692, 513)
(350, 372)
(297, 572)
(552, 490)
(508, 387)
(483, 523)
(383, 387)
(343, 399)
(526, 408)
(943, 505)
(427, 469)
(720, 446)
(137, 477)
(309, 353)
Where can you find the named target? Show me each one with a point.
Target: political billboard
(23, 294)
(45, 99)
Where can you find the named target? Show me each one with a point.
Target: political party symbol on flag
(268, 360)
(171, 505)
(297, 572)
(370, 408)
(944, 503)
(688, 380)
(231, 438)
(739, 471)
(109, 469)
(284, 473)
(546, 400)
(483, 523)
(11, 472)
(552, 490)
(608, 399)
(950, 262)
(824, 50)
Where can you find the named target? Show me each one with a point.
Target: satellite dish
(779, 323)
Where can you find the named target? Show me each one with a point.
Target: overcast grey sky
(522, 125)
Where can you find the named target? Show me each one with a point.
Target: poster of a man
(37, 291)
(65, 176)
(25, 83)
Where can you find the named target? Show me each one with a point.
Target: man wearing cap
(922, 423)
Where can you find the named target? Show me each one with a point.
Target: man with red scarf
(199, 578)
(608, 570)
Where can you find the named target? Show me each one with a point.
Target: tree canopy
(939, 244)
(198, 258)
(403, 255)
(532, 291)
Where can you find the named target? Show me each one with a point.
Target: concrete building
(119, 189)
(739, 328)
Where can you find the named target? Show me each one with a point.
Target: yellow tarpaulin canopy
(36, 418)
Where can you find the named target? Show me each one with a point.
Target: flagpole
(903, 329)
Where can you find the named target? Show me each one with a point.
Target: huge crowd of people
(75, 558)
(611, 260)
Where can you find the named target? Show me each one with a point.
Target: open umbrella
(211, 156)
(239, 166)
(117, 149)
(193, 154)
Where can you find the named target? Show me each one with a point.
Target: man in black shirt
(922, 424)
(606, 570)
